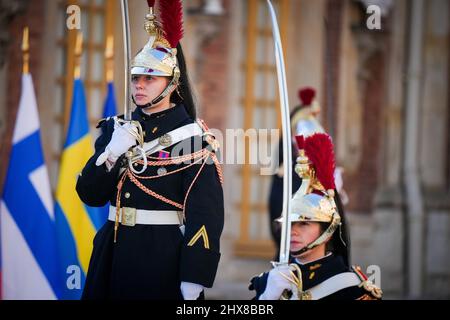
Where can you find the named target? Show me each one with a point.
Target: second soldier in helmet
(319, 246)
(303, 122)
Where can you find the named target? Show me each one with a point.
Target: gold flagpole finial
(109, 56)
(26, 51)
(78, 53)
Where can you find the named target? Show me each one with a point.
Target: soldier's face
(145, 88)
(303, 233)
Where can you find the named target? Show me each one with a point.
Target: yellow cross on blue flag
(76, 222)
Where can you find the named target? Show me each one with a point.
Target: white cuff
(190, 291)
(102, 158)
(106, 158)
(263, 297)
(110, 163)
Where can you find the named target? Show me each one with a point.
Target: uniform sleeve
(351, 293)
(259, 284)
(200, 253)
(95, 185)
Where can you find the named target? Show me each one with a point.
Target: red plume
(300, 141)
(319, 150)
(172, 20)
(151, 3)
(306, 95)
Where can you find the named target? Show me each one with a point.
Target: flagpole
(78, 53)
(109, 57)
(28, 230)
(26, 51)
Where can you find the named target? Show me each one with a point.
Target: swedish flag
(76, 222)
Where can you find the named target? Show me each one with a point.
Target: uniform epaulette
(101, 122)
(209, 137)
(367, 284)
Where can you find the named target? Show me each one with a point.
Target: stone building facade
(384, 95)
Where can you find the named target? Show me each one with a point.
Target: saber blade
(287, 139)
(127, 57)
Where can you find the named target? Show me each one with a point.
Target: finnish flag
(28, 234)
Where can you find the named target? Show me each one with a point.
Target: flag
(76, 222)
(28, 234)
(109, 110)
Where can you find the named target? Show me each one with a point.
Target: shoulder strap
(334, 284)
(171, 138)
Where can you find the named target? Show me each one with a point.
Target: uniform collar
(160, 123)
(317, 271)
(321, 259)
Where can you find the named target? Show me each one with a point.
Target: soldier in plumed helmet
(303, 122)
(319, 266)
(160, 173)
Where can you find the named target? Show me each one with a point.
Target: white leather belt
(172, 138)
(175, 136)
(132, 216)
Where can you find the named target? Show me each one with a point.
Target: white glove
(190, 291)
(121, 141)
(276, 283)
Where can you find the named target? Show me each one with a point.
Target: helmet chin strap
(336, 221)
(172, 85)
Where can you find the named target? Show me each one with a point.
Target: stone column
(388, 220)
(434, 154)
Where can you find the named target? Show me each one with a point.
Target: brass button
(127, 195)
(155, 129)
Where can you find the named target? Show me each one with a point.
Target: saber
(127, 57)
(139, 133)
(287, 140)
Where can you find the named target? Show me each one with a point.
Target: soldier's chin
(141, 102)
(296, 248)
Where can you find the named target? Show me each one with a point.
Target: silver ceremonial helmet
(159, 55)
(304, 117)
(314, 200)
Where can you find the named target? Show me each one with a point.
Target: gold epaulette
(367, 284)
